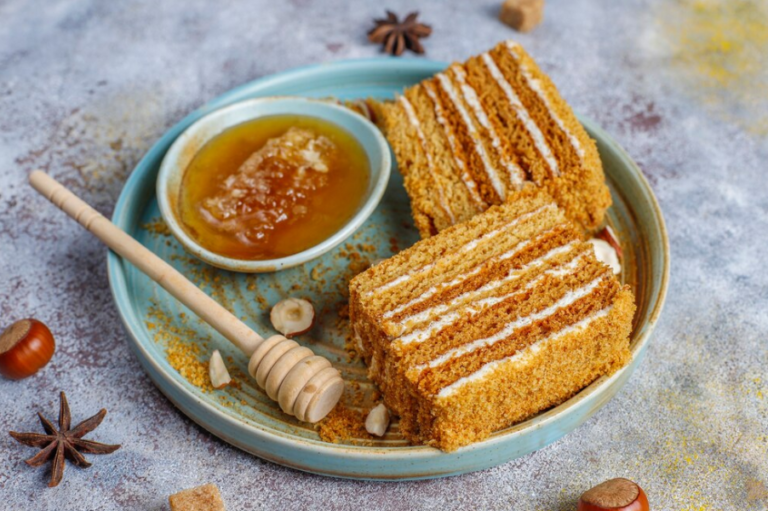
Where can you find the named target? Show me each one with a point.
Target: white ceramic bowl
(187, 145)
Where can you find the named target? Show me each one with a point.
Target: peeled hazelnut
(377, 421)
(292, 316)
(25, 347)
(605, 253)
(614, 495)
(218, 371)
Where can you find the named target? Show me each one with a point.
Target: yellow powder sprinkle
(719, 49)
(184, 358)
(183, 350)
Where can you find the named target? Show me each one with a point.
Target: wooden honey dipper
(305, 385)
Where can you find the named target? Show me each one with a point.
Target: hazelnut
(218, 371)
(25, 347)
(292, 316)
(614, 495)
(377, 421)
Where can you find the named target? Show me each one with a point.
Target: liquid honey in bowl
(273, 187)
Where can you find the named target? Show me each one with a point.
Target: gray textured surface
(86, 87)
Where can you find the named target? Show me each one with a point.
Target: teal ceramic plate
(164, 335)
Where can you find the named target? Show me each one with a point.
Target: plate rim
(119, 290)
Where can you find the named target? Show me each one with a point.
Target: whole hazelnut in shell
(26, 346)
(614, 495)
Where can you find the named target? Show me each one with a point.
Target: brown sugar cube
(522, 15)
(200, 498)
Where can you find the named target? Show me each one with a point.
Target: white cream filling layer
(422, 334)
(605, 253)
(516, 174)
(537, 87)
(569, 298)
(513, 274)
(458, 280)
(522, 113)
(434, 289)
(466, 177)
(566, 269)
(523, 356)
(447, 86)
(460, 252)
(414, 120)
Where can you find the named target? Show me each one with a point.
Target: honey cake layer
(461, 309)
(478, 131)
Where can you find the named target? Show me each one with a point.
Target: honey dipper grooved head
(311, 389)
(265, 366)
(304, 385)
(261, 350)
(282, 367)
(325, 399)
(297, 378)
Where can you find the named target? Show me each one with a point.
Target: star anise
(64, 442)
(396, 36)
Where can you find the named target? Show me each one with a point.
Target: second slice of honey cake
(489, 322)
(475, 133)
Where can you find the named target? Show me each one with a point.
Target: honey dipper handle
(304, 385)
(154, 267)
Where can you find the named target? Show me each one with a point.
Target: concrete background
(86, 87)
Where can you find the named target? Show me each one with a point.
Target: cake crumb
(393, 245)
(200, 498)
(318, 271)
(157, 227)
(342, 325)
(343, 425)
(183, 356)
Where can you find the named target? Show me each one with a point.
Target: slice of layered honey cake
(489, 322)
(471, 135)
